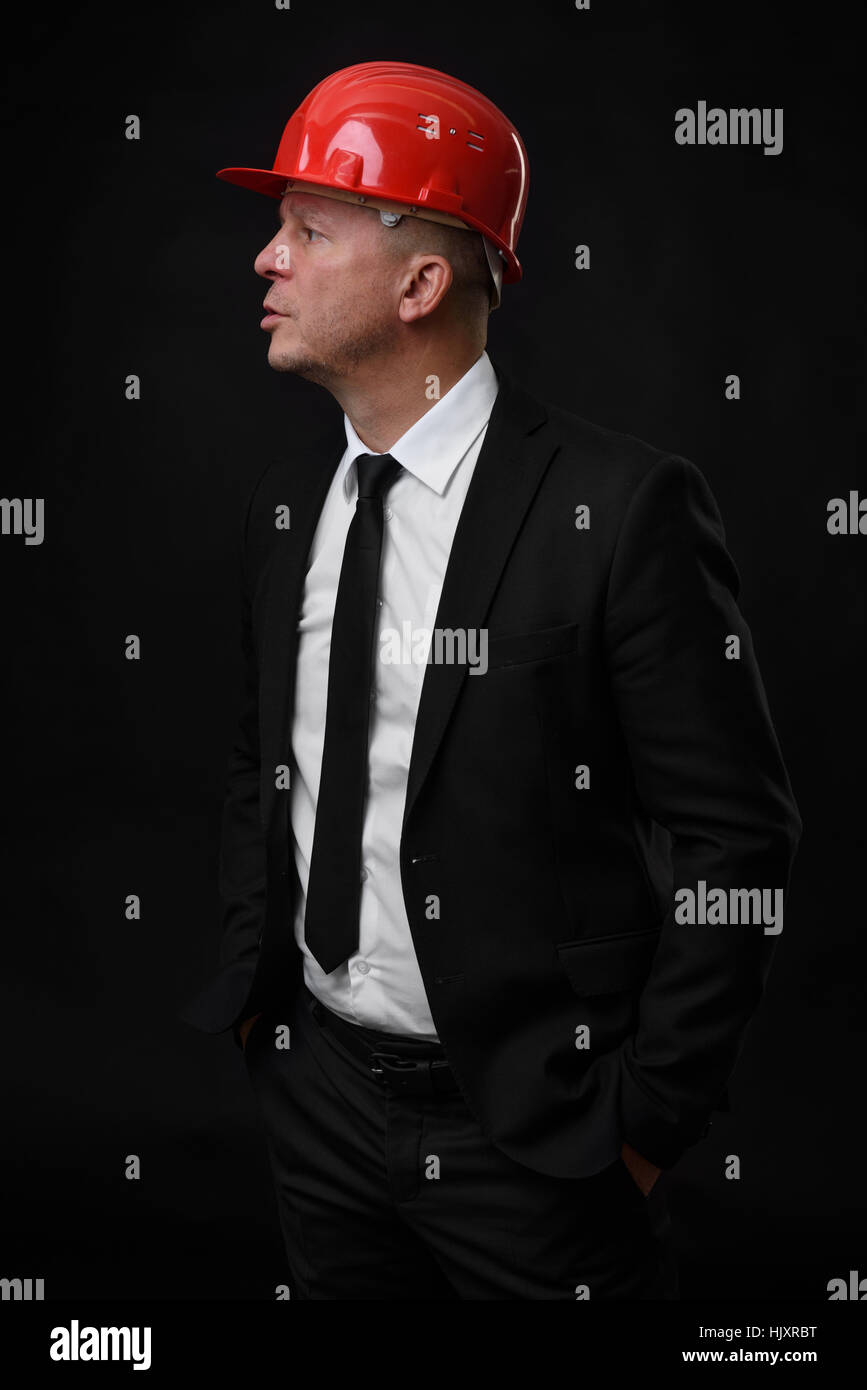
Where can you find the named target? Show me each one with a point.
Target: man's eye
(312, 230)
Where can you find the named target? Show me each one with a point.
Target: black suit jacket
(606, 649)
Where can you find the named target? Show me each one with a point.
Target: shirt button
(388, 513)
(362, 967)
(363, 874)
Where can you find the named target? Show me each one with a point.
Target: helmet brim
(258, 180)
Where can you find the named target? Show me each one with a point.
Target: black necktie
(334, 886)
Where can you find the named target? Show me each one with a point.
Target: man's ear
(428, 282)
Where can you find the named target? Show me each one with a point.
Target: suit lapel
(513, 458)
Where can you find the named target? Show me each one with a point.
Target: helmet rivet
(361, 198)
(452, 130)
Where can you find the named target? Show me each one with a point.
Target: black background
(131, 257)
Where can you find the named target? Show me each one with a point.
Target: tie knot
(376, 473)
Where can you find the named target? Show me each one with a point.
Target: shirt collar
(432, 448)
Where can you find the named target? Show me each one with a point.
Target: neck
(383, 399)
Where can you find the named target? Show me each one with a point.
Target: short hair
(472, 284)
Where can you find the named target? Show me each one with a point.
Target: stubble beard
(345, 346)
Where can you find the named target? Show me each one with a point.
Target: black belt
(394, 1067)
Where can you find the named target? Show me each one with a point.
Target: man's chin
(289, 361)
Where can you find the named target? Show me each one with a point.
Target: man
(500, 696)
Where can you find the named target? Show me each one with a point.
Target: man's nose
(273, 259)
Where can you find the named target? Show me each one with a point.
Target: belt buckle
(384, 1065)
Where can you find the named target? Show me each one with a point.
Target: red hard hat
(409, 140)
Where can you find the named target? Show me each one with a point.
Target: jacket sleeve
(242, 862)
(242, 871)
(707, 766)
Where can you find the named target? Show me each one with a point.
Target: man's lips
(272, 317)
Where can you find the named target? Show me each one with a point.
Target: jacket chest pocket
(520, 648)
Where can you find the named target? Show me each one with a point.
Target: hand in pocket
(641, 1170)
(244, 1030)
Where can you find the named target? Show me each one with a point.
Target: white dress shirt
(380, 986)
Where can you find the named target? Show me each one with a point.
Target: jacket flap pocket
(609, 965)
(513, 650)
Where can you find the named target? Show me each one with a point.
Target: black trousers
(382, 1196)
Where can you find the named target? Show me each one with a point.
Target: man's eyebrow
(309, 213)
